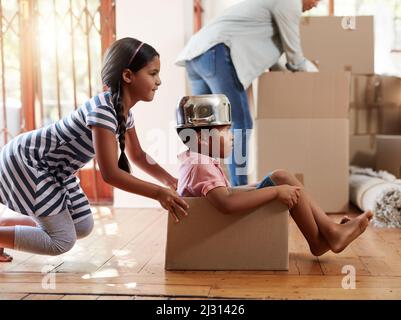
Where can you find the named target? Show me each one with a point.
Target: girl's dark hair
(123, 54)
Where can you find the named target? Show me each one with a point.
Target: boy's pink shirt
(199, 174)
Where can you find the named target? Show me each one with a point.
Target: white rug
(379, 192)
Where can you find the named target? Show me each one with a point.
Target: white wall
(163, 24)
(213, 8)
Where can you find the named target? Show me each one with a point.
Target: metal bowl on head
(203, 111)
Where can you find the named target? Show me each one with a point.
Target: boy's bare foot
(343, 234)
(4, 257)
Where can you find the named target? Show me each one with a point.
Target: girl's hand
(288, 195)
(172, 183)
(171, 201)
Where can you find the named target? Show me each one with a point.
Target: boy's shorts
(266, 182)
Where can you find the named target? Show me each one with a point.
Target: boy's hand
(171, 201)
(288, 195)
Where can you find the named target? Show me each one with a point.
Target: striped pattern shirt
(37, 168)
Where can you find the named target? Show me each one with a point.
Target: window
(10, 92)
(322, 9)
(50, 60)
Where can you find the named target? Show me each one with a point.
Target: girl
(37, 168)
(201, 175)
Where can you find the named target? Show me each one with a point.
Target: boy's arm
(240, 202)
(253, 185)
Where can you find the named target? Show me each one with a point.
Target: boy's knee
(281, 176)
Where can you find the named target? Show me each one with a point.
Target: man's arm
(287, 15)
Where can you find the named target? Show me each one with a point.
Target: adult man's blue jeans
(214, 72)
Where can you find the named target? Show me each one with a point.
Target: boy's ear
(128, 75)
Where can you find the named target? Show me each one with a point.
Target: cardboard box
(375, 105)
(302, 126)
(364, 121)
(370, 91)
(390, 91)
(317, 148)
(365, 91)
(363, 151)
(388, 156)
(210, 240)
(340, 43)
(389, 120)
(382, 120)
(303, 95)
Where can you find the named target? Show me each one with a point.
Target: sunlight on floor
(107, 273)
(121, 253)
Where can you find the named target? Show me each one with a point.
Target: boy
(204, 124)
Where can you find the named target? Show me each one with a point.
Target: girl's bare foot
(343, 234)
(4, 257)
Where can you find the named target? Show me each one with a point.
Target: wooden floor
(124, 259)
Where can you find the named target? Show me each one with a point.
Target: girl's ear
(128, 75)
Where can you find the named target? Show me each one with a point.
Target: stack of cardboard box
(364, 120)
(388, 139)
(375, 114)
(335, 43)
(302, 126)
(375, 101)
(317, 124)
(389, 153)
